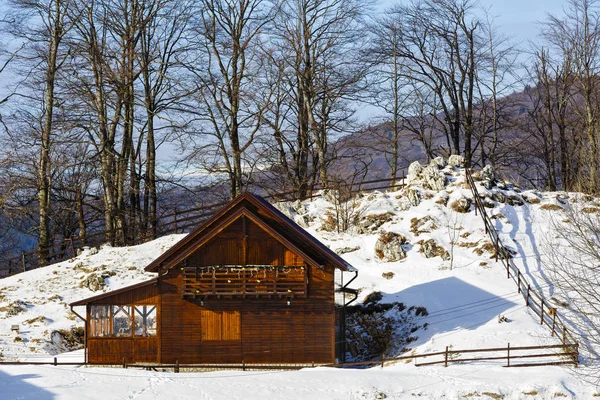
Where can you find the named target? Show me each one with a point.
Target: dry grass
(496, 396)
(461, 205)
(550, 207)
(531, 393)
(590, 210)
(422, 225)
(388, 275)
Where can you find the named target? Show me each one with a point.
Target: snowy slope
(463, 302)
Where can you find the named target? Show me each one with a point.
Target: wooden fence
(505, 356)
(548, 315)
(179, 221)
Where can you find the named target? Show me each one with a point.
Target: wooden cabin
(249, 285)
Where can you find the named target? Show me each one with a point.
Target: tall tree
(43, 25)
(229, 33)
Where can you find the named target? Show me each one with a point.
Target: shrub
(387, 275)
(375, 329)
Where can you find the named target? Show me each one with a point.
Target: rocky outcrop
(414, 172)
(344, 250)
(456, 160)
(95, 282)
(389, 247)
(438, 162)
(488, 177)
(431, 249)
(434, 178)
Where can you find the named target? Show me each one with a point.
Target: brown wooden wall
(134, 349)
(269, 330)
(228, 248)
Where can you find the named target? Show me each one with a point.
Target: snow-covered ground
(464, 296)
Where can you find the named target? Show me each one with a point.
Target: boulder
(456, 160)
(488, 177)
(413, 196)
(414, 171)
(344, 250)
(438, 162)
(389, 247)
(431, 249)
(434, 178)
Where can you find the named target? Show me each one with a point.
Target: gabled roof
(111, 293)
(268, 218)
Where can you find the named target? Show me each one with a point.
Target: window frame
(107, 320)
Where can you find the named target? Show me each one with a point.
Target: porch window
(100, 321)
(124, 321)
(121, 320)
(145, 320)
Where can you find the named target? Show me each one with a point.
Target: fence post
(382, 359)
(519, 280)
(553, 321)
(23, 261)
(243, 365)
(542, 312)
(73, 247)
(576, 355)
(508, 355)
(527, 298)
(124, 364)
(446, 357)
(175, 220)
(54, 361)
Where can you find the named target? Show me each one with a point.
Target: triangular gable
(265, 216)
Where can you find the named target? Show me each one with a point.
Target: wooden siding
(132, 349)
(270, 331)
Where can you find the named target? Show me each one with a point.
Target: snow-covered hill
(463, 289)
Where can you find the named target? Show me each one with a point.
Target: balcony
(245, 281)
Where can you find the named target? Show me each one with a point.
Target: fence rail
(562, 355)
(548, 315)
(179, 221)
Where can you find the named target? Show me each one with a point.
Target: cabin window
(220, 325)
(121, 320)
(100, 321)
(145, 320)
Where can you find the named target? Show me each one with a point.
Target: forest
(115, 112)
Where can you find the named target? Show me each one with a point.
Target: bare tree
(577, 35)
(43, 25)
(573, 255)
(229, 33)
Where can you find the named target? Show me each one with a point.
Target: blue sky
(515, 18)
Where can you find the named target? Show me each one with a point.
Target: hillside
(464, 290)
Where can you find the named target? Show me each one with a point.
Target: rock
(15, 308)
(488, 177)
(93, 250)
(414, 171)
(431, 249)
(68, 339)
(380, 396)
(434, 178)
(413, 196)
(389, 247)
(461, 205)
(94, 282)
(344, 250)
(438, 162)
(498, 196)
(456, 160)
(372, 222)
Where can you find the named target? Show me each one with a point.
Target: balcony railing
(245, 281)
